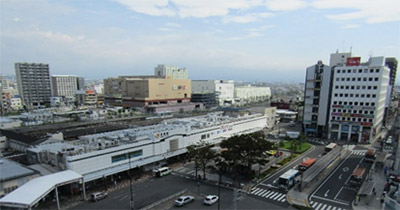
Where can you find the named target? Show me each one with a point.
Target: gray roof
(12, 170)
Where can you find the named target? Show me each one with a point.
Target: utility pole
(131, 204)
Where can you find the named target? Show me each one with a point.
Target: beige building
(269, 112)
(169, 86)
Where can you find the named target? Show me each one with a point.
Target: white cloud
(189, 8)
(285, 5)
(372, 11)
(16, 19)
(261, 28)
(246, 18)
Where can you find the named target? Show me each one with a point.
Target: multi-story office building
(33, 84)
(223, 90)
(81, 83)
(391, 63)
(358, 99)
(250, 94)
(316, 99)
(64, 85)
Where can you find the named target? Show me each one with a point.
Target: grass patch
(288, 145)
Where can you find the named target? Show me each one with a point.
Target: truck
(307, 163)
(370, 156)
(357, 177)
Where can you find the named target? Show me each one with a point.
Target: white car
(96, 196)
(210, 199)
(184, 200)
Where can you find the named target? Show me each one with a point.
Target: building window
(360, 111)
(354, 70)
(357, 87)
(343, 78)
(373, 95)
(369, 87)
(371, 112)
(348, 119)
(359, 119)
(365, 70)
(343, 71)
(367, 104)
(359, 79)
(347, 87)
(344, 111)
(370, 79)
(333, 118)
(351, 95)
(368, 96)
(342, 87)
(353, 79)
(340, 102)
(336, 94)
(363, 87)
(371, 71)
(334, 110)
(352, 87)
(346, 95)
(370, 120)
(372, 104)
(350, 103)
(356, 103)
(375, 87)
(365, 112)
(376, 78)
(341, 95)
(348, 71)
(362, 95)
(364, 79)
(335, 102)
(337, 87)
(359, 70)
(361, 103)
(377, 70)
(348, 79)
(357, 95)
(337, 79)
(338, 71)
(345, 103)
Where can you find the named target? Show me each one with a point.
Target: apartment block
(64, 85)
(33, 84)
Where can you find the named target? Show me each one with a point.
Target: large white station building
(100, 155)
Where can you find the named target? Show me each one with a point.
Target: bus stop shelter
(33, 191)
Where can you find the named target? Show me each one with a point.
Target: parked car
(181, 201)
(210, 199)
(96, 196)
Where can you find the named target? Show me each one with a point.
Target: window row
(357, 70)
(355, 95)
(354, 111)
(352, 119)
(352, 87)
(356, 103)
(353, 79)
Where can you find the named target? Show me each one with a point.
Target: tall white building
(33, 83)
(64, 85)
(223, 90)
(170, 72)
(316, 99)
(250, 94)
(358, 99)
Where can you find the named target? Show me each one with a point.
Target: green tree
(202, 155)
(241, 152)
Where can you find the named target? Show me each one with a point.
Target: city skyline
(242, 40)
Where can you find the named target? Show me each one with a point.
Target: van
(96, 196)
(357, 177)
(162, 171)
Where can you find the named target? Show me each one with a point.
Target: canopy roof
(31, 192)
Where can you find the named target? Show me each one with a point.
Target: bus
(370, 156)
(162, 171)
(307, 163)
(357, 176)
(329, 147)
(289, 179)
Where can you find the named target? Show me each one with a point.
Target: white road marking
(275, 197)
(315, 204)
(268, 194)
(338, 193)
(283, 200)
(272, 195)
(326, 193)
(334, 208)
(282, 197)
(318, 206)
(323, 207)
(255, 191)
(259, 193)
(311, 202)
(262, 195)
(329, 208)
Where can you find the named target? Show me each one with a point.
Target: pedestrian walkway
(323, 206)
(268, 194)
(358, 152)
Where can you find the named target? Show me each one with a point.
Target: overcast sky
(248, 40)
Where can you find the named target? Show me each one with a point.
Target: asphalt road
(267, 190)
(336, 191)
(156, 189)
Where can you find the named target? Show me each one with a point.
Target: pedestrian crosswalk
(323, 206)
(358, 152)
(269, 194)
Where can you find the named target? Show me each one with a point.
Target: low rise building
(251, 94)
(223, 90)
(13, 175)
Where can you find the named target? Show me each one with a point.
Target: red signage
(353, 61)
